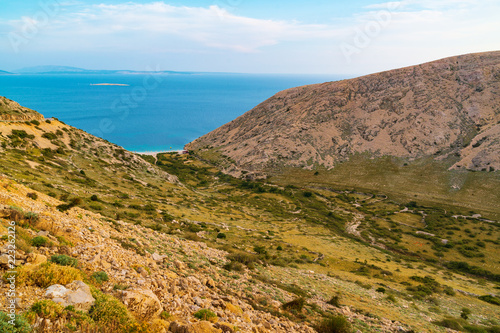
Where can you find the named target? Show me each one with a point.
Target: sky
(352, 37)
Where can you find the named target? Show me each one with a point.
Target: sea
(148, 112)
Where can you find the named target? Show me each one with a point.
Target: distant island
(76, 70)
(110, 84)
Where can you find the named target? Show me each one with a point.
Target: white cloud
(214, 38)
(212, 27)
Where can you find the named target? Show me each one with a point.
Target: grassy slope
(426, 181)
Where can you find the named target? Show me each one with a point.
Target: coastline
(154, 153)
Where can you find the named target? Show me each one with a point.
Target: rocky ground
(150, 272)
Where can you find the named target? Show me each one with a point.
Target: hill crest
(13, 111)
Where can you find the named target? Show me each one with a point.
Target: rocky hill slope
(161, 279)
(12, 111)
(448, 107)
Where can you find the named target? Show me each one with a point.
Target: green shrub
(380, 290)
(260, 249)
(454, 324)
(15, 214)
(64, 260)
(107, 310)
(47, 309)
(337, 324)
(165, 315)
(244, 258)
(32, 195)
(391, 298)
(94, 198)
(234, 266)
(31, 217)
(49, 136)
(205, 314)
(64, 207)
(295, 305)
(490, 299)
(335, 301)
(465, 313)
(47, 274)
(221, 235)
(39, 241)
(96, 206)
(120, 287)
(100, 277)
(20, 324)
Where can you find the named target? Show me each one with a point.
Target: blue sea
(148, 112)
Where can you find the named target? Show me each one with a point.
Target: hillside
(445, 108)
(12, 111)
(170, 243)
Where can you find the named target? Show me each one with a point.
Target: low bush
(234, 266)
(20, 324)
(64, 260)
(205, 314)
(32, 195)
(47, 309)
(453, 323)
(295, 305)
(490, 299)
(109, 311)
(39, 241)
(100, 277)
(335, 301)
(337, 324)
(47, 274)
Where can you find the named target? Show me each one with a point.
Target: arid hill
(448, 107)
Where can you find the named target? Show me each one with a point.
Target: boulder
(36, 259)
(142, 303)
(157, 257)
(76, 294)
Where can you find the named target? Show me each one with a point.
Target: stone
(43, 233)
(224, 327)
(76, 294)
(36, 259)
(157, 257)
(180, 265)
(210, 283)
(142, 303)
(56, 291)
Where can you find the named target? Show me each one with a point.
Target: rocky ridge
(447, 107)
(12, 111)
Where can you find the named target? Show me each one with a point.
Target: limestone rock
(76, 294)
(143, 303)
(36, 259)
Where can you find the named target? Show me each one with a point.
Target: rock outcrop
(76, 294)
(12, 111)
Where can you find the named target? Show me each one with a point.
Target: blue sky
(254, 36)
